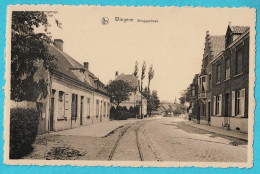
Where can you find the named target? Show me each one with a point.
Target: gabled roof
(65, 64)
(238, 29)
(217, 44)
(131, 79)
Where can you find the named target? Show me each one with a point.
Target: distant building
(135, 96)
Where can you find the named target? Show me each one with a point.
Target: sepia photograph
(129, 86)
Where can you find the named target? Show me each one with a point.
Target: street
(157, 139)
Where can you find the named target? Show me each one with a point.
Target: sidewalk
(95, 130)
(218, 130)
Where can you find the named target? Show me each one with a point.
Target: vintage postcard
(129, 86)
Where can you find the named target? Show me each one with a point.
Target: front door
(209, 113)
(101, 111)
(81, 110)
(226, 118)
(52, 110)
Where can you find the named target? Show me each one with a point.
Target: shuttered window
(61, 105)
(238, 103)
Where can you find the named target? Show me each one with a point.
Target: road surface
(162, 139)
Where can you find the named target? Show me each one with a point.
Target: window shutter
(66, 105)
(233, 103)
(242, 102)
(220, 104)
(214, 106)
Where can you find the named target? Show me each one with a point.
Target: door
(100, 113)
(226, 118)
(209, 111)
(52, 110)
(81, 110)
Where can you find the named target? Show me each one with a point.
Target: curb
(218, 133)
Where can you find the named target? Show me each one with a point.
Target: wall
(61, 123)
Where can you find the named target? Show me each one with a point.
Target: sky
(173, 45)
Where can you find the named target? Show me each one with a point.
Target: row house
(134, 96)
(231, 79)
(76, 96)
(221, 90)
(213, 45)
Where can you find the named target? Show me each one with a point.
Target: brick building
(230, 78)
(221, 90)
(213, 45)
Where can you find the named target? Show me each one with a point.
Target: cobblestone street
(161, 139)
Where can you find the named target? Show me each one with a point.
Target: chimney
(116, 74)
(58, 43)
(86, 65)
(207, 33)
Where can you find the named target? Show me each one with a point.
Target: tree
(119, 91)
(142, 78)
(150, 76)
(156, 100)
(136, 70)
(29, 52)
(153, 101)
(185, 96)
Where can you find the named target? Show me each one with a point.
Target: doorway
(209, 111)
(52, 110)
(81, 110)
(226, 117)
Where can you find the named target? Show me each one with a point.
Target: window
(202, 84)
(218, 73)
(74, 106)
(217, 104)
(193, 91)
(61, 105)
(238, 102)
(227, 69)
(239, 66)
(210, 81)
(97, 108)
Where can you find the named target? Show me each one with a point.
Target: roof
(131, 79)
(65, 63)
(238, 29)
(217, 44)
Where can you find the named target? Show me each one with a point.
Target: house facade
(136, 99)
(224, 92)
(76, 96)
(230, 80)
(213, 45)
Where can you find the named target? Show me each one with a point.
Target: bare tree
(150, 76)
(136, 70)
(142, 78)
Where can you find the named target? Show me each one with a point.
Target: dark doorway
(100, 113)
(81, 110)
(52, 109)
(209, 110)
(226, 119)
